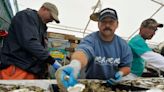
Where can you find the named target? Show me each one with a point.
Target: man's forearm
(81, 57)
(154, 59)
(125, 70)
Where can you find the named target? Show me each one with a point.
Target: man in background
(142, 52)
(24, 52)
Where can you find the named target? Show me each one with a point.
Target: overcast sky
(75, 13)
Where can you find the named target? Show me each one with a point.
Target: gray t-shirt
(105, 58)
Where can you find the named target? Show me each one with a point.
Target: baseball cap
(107, 12)
(53, 9)
(151, 23)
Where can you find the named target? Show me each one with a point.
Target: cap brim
(55, 17)
(57, 21)
(160, 25)
(94, 16)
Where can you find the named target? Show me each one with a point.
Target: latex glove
(118, 76)
(72, 70)
(56, 65)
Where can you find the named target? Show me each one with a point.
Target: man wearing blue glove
(24, 54)
(105, 55)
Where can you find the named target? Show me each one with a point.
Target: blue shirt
(105, 58)
(139, 47)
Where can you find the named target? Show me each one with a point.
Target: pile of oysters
(97, 86)
(19, 88)
(147, 83)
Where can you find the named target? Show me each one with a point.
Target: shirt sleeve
(86, 45)
(27, 34)
(154, 59)
(126, 57)
(139, 46)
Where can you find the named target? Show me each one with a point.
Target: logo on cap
(107, 12)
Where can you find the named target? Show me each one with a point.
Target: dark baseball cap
(107, 12)
(151, 23)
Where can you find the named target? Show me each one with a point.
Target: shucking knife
(79, 87)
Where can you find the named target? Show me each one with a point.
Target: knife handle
(66, 77)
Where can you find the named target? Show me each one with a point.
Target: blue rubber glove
(118, 76)
(71, 81)
(72, 70)
(56, 65)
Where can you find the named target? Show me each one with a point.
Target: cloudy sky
(74, 15)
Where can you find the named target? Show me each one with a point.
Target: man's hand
(67, 75)
(118, 76)
(56, 65)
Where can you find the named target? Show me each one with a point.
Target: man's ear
(117, 24)
(98, 24)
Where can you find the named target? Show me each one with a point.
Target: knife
(79, 87)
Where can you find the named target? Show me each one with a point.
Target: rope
(5, 20)
(89, 18)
